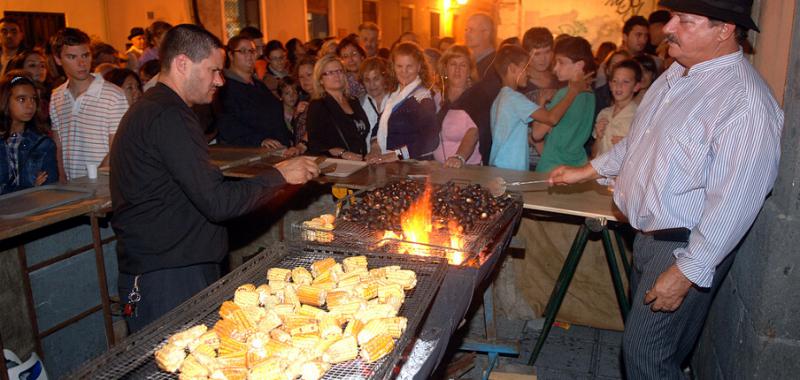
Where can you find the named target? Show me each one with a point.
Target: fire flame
(417, 225)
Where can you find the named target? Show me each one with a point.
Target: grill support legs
(568, 271)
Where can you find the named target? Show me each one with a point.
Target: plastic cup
(91, 169)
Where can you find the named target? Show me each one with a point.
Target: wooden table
(95, 207)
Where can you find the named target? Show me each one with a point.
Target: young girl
(614, 122)
(27, 154)
(563, 143)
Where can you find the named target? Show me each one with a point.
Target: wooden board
(227, 157)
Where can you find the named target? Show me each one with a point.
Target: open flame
(417, 225)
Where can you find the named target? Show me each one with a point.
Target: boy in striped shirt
(85, 110)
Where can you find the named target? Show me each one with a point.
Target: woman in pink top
(458, 139)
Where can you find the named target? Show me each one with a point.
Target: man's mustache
(672, 39)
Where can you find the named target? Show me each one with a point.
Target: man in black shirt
(168, 200)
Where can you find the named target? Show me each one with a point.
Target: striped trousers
(655, 344)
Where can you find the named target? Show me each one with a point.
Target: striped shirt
(702, 153)
(84, 124)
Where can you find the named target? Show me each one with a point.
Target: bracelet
(460, 158)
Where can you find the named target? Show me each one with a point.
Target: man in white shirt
(85, 110)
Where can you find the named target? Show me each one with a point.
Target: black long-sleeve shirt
(249, 113)
(168, 200)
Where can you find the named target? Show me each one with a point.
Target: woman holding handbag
(337, 125)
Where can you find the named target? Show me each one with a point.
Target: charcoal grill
(353, 235)
(486, 242)
(133, 358)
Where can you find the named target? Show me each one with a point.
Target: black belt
(679, 235)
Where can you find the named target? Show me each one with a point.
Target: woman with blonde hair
(458, 139)
(337, 125)
(407, 127)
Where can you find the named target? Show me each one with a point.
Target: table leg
(560, 289)
(26, 288)
(608, 247)
(102, 280)
(3, 369)
(622, 253)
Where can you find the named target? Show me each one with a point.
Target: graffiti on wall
(626, 8)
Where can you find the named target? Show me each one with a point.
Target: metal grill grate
(351, 235)
(133, 358)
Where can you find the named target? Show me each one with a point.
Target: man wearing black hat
(136, 37)
(692, 174)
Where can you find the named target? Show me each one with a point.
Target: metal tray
(133, 358)
(37, 199)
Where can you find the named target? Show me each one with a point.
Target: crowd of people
(529, 104)
(694, 143)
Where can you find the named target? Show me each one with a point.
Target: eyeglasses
(333, 72)
(352, 54)
(246, 51)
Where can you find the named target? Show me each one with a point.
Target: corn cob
(327, 285)
(375, 311)
(278, 274)
(314, 370)
(311, 295)
(227, 328)
(301, 276)
(204, 349)
(270, 369)
(229, 345)
(321, 266)
(245, 297)
(257, 340)
(337, 297)
(275, 347)
(347, 310)
(233, 359)
(170, 357)
(283, 309)
(243, 322)
(395, 290)
(406, 278)
(329, 327)
(354, 326)
(367, 290)
(341, 351)
(395, 302)
(348, 281)
(269, 301)
(280, 335)
(277, 286)
(379, 273)
(354, 262)
(256, 356)
(254, 313)
(290, 296)
(183, 338)
(305, 341)
(192, 369)
(393, 327)
(209, 338)
(263, 291)
(307, 328)
(270, 321)
(311, 312)
(377, 348)
(229, 373)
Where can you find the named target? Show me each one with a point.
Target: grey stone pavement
(578, 352)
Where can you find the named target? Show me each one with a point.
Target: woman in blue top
(27, 154)
(407, 128)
